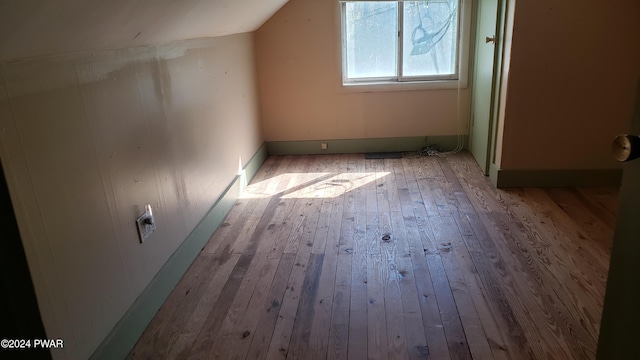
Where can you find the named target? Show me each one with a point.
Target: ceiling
(30, 28)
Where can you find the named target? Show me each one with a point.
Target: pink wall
(572, 80)
(301, 96)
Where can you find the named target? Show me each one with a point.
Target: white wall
(88, 139)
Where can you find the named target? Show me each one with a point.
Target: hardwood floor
(336, 257)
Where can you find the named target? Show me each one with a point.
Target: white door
(484, 82)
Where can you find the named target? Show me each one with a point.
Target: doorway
(18, 304)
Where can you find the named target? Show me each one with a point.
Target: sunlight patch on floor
(309, 185)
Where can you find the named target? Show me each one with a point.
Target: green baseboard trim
(555, 178)
(350, 146)
(493, 174)
(126, 333)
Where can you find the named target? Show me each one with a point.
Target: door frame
(496, 82)
(501, 30)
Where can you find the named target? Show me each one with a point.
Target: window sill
(383, 86)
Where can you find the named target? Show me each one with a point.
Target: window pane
(430, 38)
(371, 39)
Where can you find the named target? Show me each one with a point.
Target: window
(400, 41)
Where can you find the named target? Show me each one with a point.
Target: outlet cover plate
(144, 228)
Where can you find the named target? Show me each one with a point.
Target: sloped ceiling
(31, 28)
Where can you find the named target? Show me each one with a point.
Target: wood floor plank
(421, 198)
(532, 288)
(377, 343)
(369, 188)
(566, 268)
(346, 241)
(178, 323)
(356, 191)
(281, 337)
(402, 189)
(342, 257)
(239, 325)
(571, 204)
(358, 316)
(446, 231)
(326, 192)
(244, 205)
(456, 339)
(554, 279)
(217, 313)
(338, 345)
(289, 218)
(228, 229)
(373, 236)
(266, 323)
(323, 304)
(383, 182)
(607, 198)
(194, 323)
(504, 308)
(432, 322)
(537, 304)
(451, 319)
(298, 347)
(389, 166)
(568, 235)
(498, 287)
(483, 301)
(418, 224)
(234, 223)
(414, 328)
(272, 239)
(303, 234)
(154, 339)
(589, 198)
(263, 209)
(531, 261)
(394, 312)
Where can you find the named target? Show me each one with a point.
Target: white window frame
(458, 80)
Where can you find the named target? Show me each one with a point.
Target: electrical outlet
(324, 146)
(146, 224)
